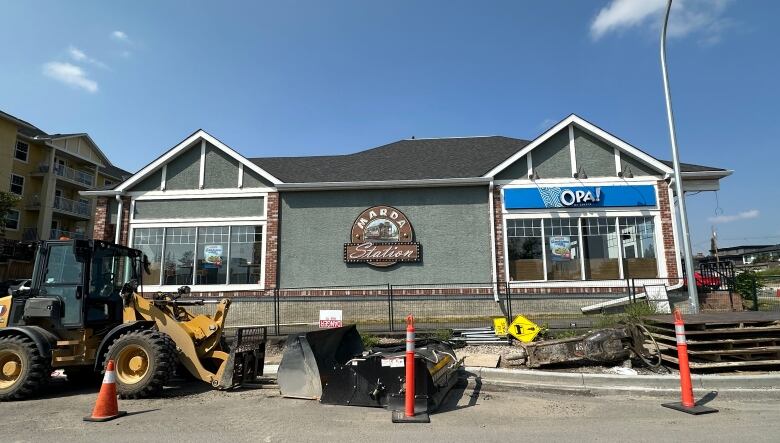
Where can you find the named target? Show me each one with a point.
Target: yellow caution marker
(523, 329)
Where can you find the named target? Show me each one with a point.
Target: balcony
(56, 234)
(72, 207)
(74, 175)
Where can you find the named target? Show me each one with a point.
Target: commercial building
(574, 205)
(47, 171)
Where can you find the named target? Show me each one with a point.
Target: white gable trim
(199, 136)
(575, 120)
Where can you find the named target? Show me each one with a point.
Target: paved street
(197, 413)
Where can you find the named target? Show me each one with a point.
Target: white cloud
(121, 36)
(745, 215)
(71, 75)
(80, 56)
(703, 17)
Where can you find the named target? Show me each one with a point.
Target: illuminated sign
(579, 197)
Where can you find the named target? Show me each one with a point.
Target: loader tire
(143, 362)
(23, 370)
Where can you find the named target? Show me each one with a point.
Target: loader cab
(77, 284)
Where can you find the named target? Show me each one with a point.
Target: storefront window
(179, 256)
(562, 243)
(246, 249)
(600, 248)
(221, 255)
(638, 238)
(211, 265)
(150, 242)
(526, 259)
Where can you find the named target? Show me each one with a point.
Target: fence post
(277, 311)
(390, 307)
(508, 300)
(754, 291)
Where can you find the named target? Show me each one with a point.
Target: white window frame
(18, 220)
(581, 213)
(196, 224)
(11, 184)
(27, 154)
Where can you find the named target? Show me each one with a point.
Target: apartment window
(108, 183)
(22, 151)
(17, 184)
(202, 255)
(12, 220)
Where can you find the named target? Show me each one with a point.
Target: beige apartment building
(47, 171)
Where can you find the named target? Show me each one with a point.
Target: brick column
(124, 224)
(101, 228)
(498, 231)
(667, 232)
(272, 240)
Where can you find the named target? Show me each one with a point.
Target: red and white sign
(330, 318)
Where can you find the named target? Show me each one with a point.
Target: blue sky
(315, 77)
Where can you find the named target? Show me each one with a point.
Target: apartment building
(47, 171)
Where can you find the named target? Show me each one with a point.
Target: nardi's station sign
(382, 236)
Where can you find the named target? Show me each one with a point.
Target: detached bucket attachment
(331, 366)
(310, 359)
(246, 358)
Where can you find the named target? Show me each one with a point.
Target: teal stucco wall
(552, 159)
(594, 156)
(452, 224)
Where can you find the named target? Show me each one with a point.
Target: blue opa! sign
(579, 197)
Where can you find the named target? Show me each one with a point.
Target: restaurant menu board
(560, 248)
(212, 256)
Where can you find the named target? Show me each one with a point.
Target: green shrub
(369, 341)
(747, 283)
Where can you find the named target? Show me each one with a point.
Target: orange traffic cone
(106, 406)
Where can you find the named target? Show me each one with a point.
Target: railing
(72, 206)
(74, 175)
(458, 305)
(56, 234)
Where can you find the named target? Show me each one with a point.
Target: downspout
(118, 232)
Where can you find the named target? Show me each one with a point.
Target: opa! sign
(330, 318)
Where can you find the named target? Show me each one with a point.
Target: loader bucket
(246, 358)
(310, 359)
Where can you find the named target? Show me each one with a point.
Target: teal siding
(594, 156)
(254, 180)
(452, 224)
(552, 158)
(199, 208)
(516, 170)
(221, 170)
(151, 183)
(637, 167)
(184, 171)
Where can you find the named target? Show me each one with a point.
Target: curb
(742, 386)
(749, 386)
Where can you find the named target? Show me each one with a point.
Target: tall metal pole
(692, 294)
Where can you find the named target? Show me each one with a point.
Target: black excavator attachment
(331, 365)
(246, 357)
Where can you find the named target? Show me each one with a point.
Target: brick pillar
(667, 232)
(124, 224)
(272, 240)
(498, 230)
(101, 228)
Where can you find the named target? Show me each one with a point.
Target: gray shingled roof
(414, 159)
(690, 167)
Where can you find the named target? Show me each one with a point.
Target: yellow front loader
(83, 309)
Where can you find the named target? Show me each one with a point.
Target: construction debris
(601, 346)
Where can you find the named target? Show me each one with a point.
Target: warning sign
(330, 318)
(523, 329)
(500, 326)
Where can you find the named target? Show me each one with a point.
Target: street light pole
(692, 295)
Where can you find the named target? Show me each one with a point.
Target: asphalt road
(193, 412)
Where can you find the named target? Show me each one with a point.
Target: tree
(8, 202)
